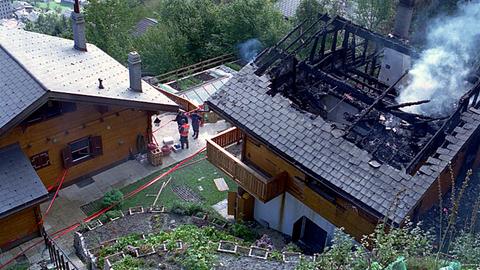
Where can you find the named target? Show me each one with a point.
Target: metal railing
(252, 181)
(195, 68)
(57, 256)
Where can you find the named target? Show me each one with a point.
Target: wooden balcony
(263, 188)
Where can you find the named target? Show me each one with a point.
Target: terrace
(221, 153)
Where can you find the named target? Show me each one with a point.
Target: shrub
(113, 197)
(466, 248)
(241, 230)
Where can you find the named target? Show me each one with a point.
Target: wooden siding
(263, 188)
(340, 212)
(18, 226)
(118, 128)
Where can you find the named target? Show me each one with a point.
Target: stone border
(98, 224)
(255, 249)
(109, 261)
(136, 210)
(288, 255)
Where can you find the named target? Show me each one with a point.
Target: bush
(241, 230)
(113, 197)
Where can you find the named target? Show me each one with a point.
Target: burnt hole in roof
(332, 68)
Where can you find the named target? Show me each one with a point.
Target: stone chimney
(78, 25)
(135, 70)
(395, 64)
(403, 18)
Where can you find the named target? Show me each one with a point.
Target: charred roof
(325, 111)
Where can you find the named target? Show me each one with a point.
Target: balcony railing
(252, 181)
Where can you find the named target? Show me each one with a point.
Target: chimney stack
(78, 25)
(135, 70)
(403, 18)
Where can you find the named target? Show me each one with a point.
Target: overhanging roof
(20, 186)
(39, 67)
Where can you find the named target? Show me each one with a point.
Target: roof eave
(19, 208)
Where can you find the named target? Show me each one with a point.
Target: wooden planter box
(292, 257)
(227, 247)
(244, 251)
(109, 243)
(115, 218)
(259, 253)
(219, 223)
(110, 260)
(161, 248)
(156, 209)
(155, 157)
(179, 245)
(92, 225)
(135, 210)
(144, 251)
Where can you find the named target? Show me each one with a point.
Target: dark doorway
(309, 236)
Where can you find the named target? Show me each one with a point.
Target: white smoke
(439, 75)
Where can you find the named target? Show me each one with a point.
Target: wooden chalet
(63, 109)
(316, 151)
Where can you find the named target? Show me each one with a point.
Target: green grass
(53, 5)
(184, 176)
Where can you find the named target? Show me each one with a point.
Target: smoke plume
(440, 73)
(249, 49)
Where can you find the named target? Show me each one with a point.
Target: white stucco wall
(270, 214)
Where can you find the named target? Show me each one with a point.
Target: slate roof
(320, 150)
(6, 9)
(288, 7)
(20, 185)
(143, 25)
(35, 61)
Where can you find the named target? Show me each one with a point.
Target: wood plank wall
(21, 225)
(118, 127)
(340, 213)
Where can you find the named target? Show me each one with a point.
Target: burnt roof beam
(391, 43)
(377, 101)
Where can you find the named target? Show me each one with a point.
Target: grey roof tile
(19, 183)
(34, 65)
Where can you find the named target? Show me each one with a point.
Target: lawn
(195, 173)
(52, 5)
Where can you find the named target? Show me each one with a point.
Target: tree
(109, 24)
(51, 24)
(308, 10)
(197, 21)
(161, 50)
(376, 15)
(247, 19)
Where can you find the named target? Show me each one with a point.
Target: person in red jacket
(184, 129)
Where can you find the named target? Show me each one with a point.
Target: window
(40, 160)
(82, 150)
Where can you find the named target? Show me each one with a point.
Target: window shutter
(96, 148)
(67, 157)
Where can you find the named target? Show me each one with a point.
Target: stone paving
(66, 210)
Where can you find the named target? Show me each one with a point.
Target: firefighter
(196, 121)
(184, 128)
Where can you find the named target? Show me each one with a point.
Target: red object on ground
(152, 146)
(166, 150)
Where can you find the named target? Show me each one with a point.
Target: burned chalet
(324, 142)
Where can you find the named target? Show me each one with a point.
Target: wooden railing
(195, 68)
(253, 182)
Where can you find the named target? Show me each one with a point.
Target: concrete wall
(271, 214)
